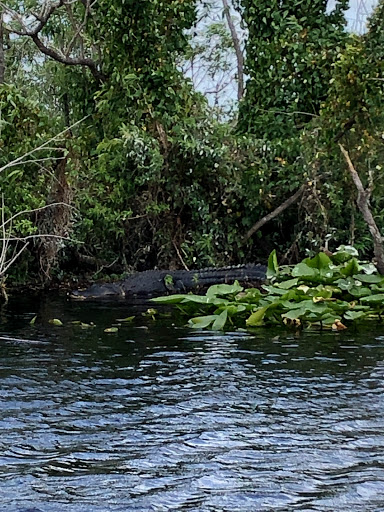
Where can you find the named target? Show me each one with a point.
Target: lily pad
(111, 330)
(55, 321)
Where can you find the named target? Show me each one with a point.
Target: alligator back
(160, 282)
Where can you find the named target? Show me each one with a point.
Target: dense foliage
(152, 176)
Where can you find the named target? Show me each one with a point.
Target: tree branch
(238, 51)
(363, 204)
(43, 17)
(275, 213)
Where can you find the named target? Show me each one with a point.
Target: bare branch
(2, 56)
(363, 204)
(275, 213)
(35, 210)
(238, 51)
(42, 146)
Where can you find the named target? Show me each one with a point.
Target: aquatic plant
(327, 291)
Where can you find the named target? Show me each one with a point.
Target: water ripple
(190, 421)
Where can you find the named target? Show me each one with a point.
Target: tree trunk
(2, 57)
(363, 196)
(238, 51)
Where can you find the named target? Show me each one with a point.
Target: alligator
(152, 283)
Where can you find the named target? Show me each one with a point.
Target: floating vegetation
(326, 291)
(55, 321)
(110, 330)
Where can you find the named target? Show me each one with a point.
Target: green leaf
(202, 322)
(286, 285)
(55, 321)
(256, 319)
(219, 323)
(368, 268)
(273, 290)
(127, 319)
(33, 321)
(87, 326)
(369, 278)
(320, 261)
(273, 267)
(351, 268)
(170, 299)
(355, 315)
(344, 253)
(373, 299)
(111, 330)
(359, 291)
(224, 289)
(303, 270)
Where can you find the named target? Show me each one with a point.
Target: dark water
(169, 419)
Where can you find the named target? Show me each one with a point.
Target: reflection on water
(163, 418)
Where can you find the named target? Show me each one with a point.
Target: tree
(291, 49)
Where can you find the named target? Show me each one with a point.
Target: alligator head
(98, 291)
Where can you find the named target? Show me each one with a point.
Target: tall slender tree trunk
(238, 51)
(2, 57)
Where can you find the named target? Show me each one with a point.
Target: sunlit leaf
(369, 278)
(220, 321)
(224, 289)
(351, 268)
(256, 319)
(354, 315)
(373, 299)
(202, 322)
(125, 320)
(286, 285)
(55, 321)
(272, 267)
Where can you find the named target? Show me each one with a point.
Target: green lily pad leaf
(219, 323)
(55, 321)
(344, 253)
(200, 299)
(351, 268)
(368, 268)
(286, 285)
(224, 289)
(324, 292)
(111, 330)
(345, 284)
(170, 299)
(256, 319)
(202, 322)
(273, 267)
(369, 278)
(125, 320)
(273, 290)
(359, 291)
(373, 299)
(251, 295)
(235, 309)
(303, 270)
(294, 314)
(288, 305)
(320, 261)
(354, 315)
